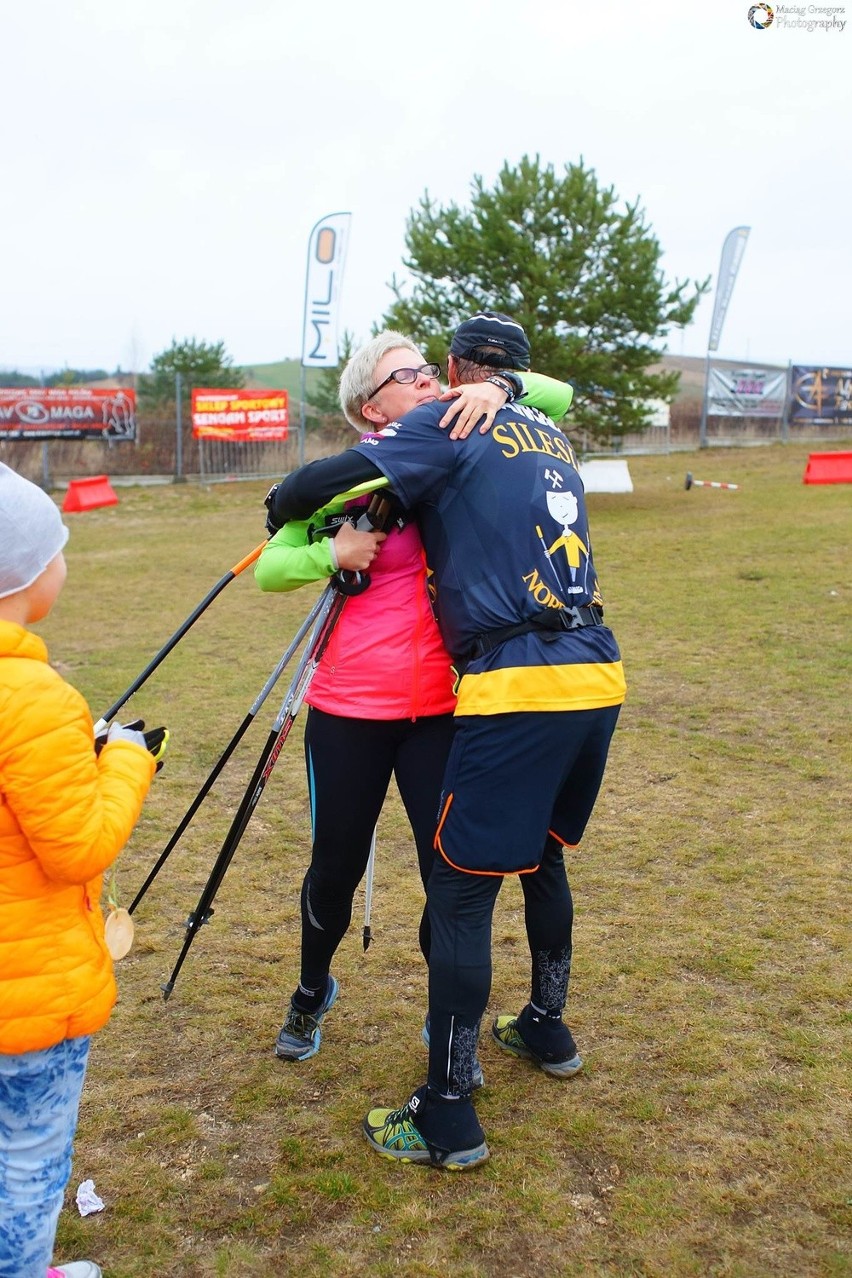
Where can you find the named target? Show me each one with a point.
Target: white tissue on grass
(87, 1199)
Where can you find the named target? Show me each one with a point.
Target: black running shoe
(559, 1058)
(299, 1037)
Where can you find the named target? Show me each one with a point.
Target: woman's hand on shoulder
(475, 402)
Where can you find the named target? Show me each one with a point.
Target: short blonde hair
(359, 376)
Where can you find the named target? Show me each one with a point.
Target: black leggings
(462, 907)
(350, 763)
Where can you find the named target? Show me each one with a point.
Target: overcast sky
(164, 162)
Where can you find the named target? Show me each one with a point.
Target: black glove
(272, 524)
(156, 739)
(385, 511)
(316, 532)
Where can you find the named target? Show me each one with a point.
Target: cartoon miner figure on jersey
(565, 509)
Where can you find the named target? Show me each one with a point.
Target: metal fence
(227, 459)
(683, 434)
(159, 453)
(156, 454)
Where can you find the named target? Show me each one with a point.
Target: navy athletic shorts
(512, 779)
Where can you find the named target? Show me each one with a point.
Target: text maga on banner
(67, 412)
(253, 415)
(821, 396)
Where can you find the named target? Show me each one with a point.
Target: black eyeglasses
(405, 376)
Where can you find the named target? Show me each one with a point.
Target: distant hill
(285, 373)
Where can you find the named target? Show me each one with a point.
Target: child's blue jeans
(39, 1100)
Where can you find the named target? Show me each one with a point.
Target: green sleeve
(547, 394)
(289, 560)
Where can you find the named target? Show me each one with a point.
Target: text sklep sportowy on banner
(254, 415)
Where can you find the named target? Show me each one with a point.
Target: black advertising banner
(67, 412)
(821, 396)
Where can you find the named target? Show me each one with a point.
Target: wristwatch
(509, 381)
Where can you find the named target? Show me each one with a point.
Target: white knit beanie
(31, 532)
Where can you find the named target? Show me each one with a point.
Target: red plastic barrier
(86, 494)
(828, 468)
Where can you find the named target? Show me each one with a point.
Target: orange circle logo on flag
(325, 245)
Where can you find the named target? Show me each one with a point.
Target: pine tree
(564, 257)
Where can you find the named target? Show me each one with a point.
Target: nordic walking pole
(278, 734)
(231, 746)
(377, 516)
(177, 636)
(368, 892)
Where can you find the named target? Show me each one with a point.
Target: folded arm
(307, 489)
(291, 559)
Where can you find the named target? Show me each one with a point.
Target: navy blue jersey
(503, 520)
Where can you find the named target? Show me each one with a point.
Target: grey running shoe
(506, 1032)
(394, 1133)
(478, 1079)
(299, 1037)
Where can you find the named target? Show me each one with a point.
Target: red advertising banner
(67, 412)
(255, 415)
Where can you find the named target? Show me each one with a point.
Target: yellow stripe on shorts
(586, 686)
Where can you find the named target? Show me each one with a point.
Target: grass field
(709, 1133)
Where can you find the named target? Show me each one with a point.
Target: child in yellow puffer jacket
(65, 814)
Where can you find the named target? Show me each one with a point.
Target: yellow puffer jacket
(64, 817)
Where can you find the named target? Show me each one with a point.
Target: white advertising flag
(732, 252)
(326, 257)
